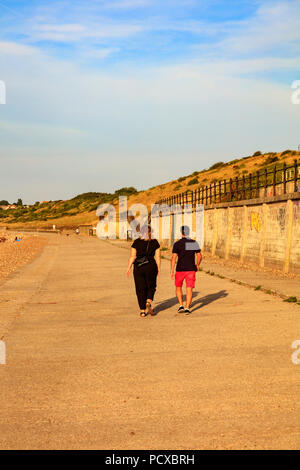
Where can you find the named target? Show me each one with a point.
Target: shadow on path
(196, 304)
(199, 303)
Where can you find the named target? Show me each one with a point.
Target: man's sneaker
(187, 311)
(181, 309)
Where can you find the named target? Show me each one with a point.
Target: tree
(20, 202)
(4, 203)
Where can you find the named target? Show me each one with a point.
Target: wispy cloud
(274, 25)
(14, 48)
(126, 4)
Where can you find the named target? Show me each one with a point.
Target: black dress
(145, 276)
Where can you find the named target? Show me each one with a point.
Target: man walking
(185, 250)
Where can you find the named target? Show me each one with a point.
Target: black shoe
(187, 311)
(181, 309)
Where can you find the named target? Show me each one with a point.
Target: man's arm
(199, 259)
(173, 264)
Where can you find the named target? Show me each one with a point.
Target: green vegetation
(217, 165)
(291, 299)
(257, 288)
(257, 153)
(182, 178)
(193, 181)
(270, 160)
(126, 191)
(86, 202)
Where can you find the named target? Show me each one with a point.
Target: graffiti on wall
(255, 221)
(296, 205)
(281, 219)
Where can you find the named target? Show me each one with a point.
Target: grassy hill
(82, 208)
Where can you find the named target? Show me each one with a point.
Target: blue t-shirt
(186, 249)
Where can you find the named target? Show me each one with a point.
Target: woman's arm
(131, 260)
(157, 259)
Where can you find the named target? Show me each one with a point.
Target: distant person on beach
(184, 252)
(18, 239)
(145, 256)
(77, 231)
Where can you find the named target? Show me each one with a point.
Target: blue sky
(104, 94)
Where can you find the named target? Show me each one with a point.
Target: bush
(285, 152)
(257, 153)
(193, 181)
(182, 178)
(126, 191)
(270, 160)
(291, 299)
(217, 165)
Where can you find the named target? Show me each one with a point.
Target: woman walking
(145, 256)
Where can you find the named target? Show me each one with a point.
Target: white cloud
(100, 53)
(25, 128)
(274, 25)
(125, 4)
(14, 48)
(243, 67)
(61, 28)
(77, 32)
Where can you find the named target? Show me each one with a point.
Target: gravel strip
(14, 255)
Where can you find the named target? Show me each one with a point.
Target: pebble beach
(14, 255)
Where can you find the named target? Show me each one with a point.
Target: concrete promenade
(84, 371)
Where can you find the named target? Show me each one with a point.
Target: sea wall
(265, 231)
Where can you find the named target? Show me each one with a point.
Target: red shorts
(188, 276)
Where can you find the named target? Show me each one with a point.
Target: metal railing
(279, 180)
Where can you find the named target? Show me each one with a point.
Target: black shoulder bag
(143, 259)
